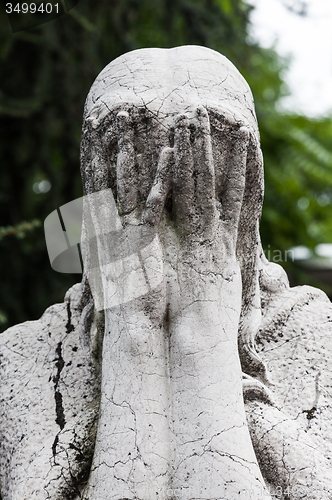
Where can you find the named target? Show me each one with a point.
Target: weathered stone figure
(133, 389)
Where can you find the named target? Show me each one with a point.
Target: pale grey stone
(49, 405)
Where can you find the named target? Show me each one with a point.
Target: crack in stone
(59, 410)
(69, 326)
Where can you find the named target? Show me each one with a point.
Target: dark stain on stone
(55, 444)
(69, 326)
(310, 413)
(60, 416)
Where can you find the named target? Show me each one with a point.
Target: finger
(254, 191)
(204, 168)
(94, 163)
(234, 183)
(183, 180)
(160, 188)
(126, 165)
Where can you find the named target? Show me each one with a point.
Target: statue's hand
(130, 255)
(207, 209)
(127, 179)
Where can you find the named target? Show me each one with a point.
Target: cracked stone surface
(292, 438)
(153, 379)
(48, 406)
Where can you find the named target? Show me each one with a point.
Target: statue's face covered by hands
(166, 134)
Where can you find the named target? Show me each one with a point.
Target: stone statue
(183, 366)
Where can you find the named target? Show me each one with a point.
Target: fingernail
(122, 119)
(201, 111)
(244, 131)
(167, 152)
(182, 121)
(123, 114)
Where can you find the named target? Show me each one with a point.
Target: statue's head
(164, 81)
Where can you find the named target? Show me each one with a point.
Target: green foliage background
(45, 75)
